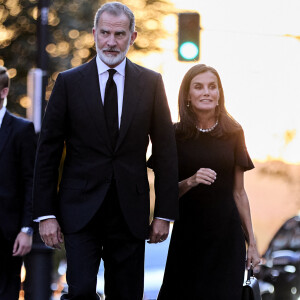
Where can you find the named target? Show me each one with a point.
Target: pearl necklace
(208, 129)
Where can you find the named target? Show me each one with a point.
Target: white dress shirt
(119, 79)
(2, 113)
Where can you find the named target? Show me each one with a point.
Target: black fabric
(10, 268)
(17, 153)
(75, 118)
(208, 238)
(106, 237)
(111, 107)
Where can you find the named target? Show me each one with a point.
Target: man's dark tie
(111, 107)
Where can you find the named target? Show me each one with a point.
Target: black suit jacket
(75, 116)
(17, 153)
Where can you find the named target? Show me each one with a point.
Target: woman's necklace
(208, 129)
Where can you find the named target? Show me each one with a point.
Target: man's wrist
(169, 220)
(27, 230)
(44, 218)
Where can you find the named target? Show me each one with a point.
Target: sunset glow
(255, 47)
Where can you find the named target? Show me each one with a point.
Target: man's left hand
(159, 231)
(22, 244)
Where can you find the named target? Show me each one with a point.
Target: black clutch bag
(251, 288)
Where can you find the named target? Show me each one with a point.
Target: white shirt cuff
(44, 218)
(164, 219)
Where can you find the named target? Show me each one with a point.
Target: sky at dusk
(253, 46)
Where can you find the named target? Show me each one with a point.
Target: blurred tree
(17, 45)
(70, 37)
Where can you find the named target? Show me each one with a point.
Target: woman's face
(204, 92)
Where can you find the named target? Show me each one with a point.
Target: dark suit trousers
(106, 237)
(10, 269)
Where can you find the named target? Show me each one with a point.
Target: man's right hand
(50, 233)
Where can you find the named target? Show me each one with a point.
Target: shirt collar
(2, 113)
(102, 67)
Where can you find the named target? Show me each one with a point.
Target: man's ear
(4, 92)
(133, 37)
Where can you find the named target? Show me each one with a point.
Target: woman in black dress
(207, 253)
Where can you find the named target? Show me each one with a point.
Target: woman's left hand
(253, 258)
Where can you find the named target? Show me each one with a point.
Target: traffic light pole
(38, 262)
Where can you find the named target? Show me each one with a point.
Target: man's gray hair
(116, 9)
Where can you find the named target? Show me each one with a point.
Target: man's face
(3, 94)
(113, 38)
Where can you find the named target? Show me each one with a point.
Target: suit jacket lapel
(5, 130)
(130, 98)
(92, 95)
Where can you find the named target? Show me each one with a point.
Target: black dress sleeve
(242, 157)
(150, 162)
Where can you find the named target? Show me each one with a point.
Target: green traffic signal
(189, 50)
(188, 37)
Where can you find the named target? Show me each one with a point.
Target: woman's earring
(188, 104)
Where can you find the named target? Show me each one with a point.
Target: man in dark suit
(105, 119)
(17, 153)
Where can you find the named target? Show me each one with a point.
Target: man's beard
(112, 60)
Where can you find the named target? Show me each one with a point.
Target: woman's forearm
(184, 186)
(243, 207)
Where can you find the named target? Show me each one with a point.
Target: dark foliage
(70, 40)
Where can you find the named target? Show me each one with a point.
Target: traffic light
(188, 36)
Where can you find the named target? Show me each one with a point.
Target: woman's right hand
(203, 175)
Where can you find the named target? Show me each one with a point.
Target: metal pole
(38, 262)
(42, 38)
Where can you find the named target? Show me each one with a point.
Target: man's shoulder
(79, 69)
(17, 121)
(142, 69)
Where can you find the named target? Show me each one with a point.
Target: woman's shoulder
(176, 127)
(230, 127)
(179, 131)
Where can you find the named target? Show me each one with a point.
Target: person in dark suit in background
(17, 153)
(105, 118)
